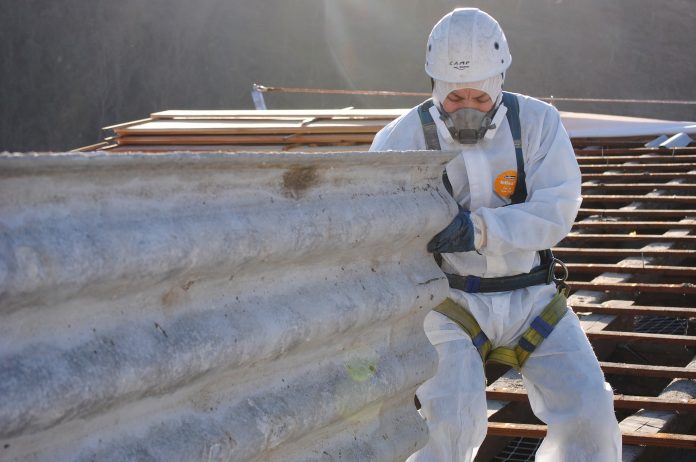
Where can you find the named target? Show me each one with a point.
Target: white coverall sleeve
(553, 184)
(402, 134)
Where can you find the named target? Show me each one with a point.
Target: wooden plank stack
(271, 130)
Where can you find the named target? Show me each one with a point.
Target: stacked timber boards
(259, 130)
(308, 130)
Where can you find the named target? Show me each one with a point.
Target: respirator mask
(468, 126)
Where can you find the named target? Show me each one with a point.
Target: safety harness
(542, 325)
(538, 330)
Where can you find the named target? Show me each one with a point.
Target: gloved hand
(458, 236)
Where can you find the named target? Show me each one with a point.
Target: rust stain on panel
(297, 180)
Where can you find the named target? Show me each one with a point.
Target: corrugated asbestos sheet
(216, 307)
(631, 257)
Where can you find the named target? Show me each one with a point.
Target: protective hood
(493, 86)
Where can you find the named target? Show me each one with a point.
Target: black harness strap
(542, 274)
(513, 118)
(429, 128)
(432, 143)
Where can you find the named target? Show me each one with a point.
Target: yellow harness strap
(467, 322)
(539, 329)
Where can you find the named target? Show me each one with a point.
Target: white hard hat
(466, 45)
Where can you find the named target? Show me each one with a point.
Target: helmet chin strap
(468, 126)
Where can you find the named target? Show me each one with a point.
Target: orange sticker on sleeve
(505, 183)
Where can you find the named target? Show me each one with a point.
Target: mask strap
(446, 119)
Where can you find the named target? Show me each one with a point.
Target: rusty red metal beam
(635, 310)
(645, 176)
(572, 251)
(620, 401)
(635, 337)
(574, 237)
(662, 270)
(642, 370)
(635, 287)
(634, 225)
(516, 430)
(614, 143)
(641, 159)
(636, 151)
(639, 213)
(640, 186)
(654, 404)
(674, 440)
(670, 199)
(676, 167)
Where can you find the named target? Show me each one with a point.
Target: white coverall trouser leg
(566, 390)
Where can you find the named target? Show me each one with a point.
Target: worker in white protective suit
(517, 184)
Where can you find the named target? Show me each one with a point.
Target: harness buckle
(551, 276)
(559, 281)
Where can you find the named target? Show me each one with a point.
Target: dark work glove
(458, 236)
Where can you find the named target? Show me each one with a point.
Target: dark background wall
(69, 67)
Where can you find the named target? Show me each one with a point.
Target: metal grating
(519, 450)
(661, 325)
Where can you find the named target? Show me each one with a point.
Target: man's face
(467, 98)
